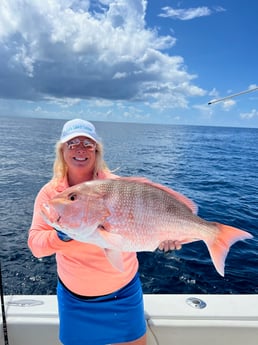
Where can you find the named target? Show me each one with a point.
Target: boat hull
(171, 319)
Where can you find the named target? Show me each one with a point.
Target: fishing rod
(6, 342)
(231, 96)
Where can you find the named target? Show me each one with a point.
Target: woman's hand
(170, 245)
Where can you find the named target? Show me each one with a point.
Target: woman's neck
(74, 179)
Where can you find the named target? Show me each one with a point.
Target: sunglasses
(74, 143)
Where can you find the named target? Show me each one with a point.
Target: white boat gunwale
(33, 319)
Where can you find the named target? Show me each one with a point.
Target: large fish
(134, 214)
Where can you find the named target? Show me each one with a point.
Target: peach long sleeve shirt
(82, 267)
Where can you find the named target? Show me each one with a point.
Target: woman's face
(80, 153)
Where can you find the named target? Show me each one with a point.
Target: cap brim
(82, 134)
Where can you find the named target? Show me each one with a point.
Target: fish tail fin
(219, 247)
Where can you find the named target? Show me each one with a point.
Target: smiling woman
(84, 273)
(90, 289)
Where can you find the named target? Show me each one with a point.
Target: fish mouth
(50, 215)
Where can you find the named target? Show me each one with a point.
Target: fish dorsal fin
(180, 197)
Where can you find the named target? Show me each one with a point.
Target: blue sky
(130, 61)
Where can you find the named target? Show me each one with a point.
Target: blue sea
(214, 166)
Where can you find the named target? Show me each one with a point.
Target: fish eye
(72, 196)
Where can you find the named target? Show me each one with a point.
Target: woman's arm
(43, 239)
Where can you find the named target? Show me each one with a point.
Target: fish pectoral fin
(115, 258)
(113, 241)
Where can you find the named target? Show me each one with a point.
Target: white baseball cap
(78, 127)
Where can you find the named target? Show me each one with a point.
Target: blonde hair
(60, 168)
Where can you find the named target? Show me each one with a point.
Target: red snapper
(134, 214)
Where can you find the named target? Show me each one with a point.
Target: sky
(147, 61)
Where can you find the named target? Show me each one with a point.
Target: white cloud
(205, 110)
(253, 86)
(67, 49)
(188, 13)
(185, 14)
(252, 114)
(64, 102)
(228, 104)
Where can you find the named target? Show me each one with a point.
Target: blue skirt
(114, 318)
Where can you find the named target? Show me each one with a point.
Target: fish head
(78, 211)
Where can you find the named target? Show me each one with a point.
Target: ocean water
(215, 167)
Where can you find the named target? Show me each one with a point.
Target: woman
(97, 304)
